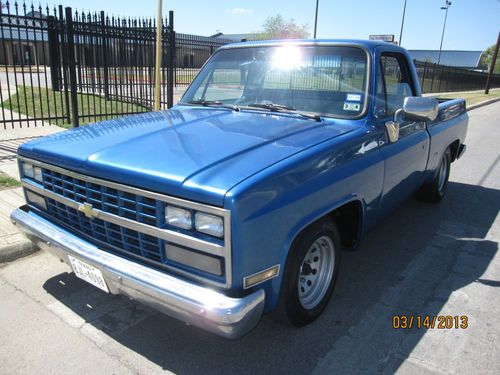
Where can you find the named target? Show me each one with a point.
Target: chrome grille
(128, 220)
(124, 204)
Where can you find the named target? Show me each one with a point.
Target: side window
(394, 84)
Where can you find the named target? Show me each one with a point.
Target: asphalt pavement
(422, 260)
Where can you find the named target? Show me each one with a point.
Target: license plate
(88, 273)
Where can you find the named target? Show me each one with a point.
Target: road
(423, 260)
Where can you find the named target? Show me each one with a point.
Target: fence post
(105, 55)
(423, 77)
(55, 63)
(432, 79)
(171, 60)
(64, 58)
(440, 77)
(72, 66)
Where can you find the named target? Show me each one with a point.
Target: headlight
(178, 217)
(36, 200)
(209, 224)
(31, 171)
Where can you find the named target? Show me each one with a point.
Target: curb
(17, 250)
(483, 103)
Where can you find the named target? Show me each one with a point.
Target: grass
(472, 97)
(39, 102)
(7, 182)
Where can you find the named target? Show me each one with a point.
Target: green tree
(487, 58)
(276, 27)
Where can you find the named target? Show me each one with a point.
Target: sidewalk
(12, 243)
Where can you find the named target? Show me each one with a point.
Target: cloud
(239, 11)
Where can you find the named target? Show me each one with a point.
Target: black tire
(435, 191)
(294, 308)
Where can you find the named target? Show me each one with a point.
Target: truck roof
(368, 44)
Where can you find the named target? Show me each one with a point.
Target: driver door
(406, 158)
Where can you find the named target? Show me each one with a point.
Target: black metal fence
(436, 78)
(68, 68)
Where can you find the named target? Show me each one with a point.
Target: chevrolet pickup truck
(238, 201)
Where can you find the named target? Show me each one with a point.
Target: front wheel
(435, 190)
(310, 273)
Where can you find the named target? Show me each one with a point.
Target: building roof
(462, 59)
(235, 37)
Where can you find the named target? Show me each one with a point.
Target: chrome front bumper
(197, 305)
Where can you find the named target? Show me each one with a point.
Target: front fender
(271, 209)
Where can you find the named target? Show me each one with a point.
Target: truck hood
(189, 152)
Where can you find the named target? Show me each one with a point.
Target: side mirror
(416, 108)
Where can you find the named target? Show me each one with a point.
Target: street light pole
(448, 3)
(402, 24)
(316, 19)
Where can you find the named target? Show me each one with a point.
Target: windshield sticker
(353, 97)
(351, 106)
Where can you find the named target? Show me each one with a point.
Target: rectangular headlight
(28, 170)
(31, 171)
(178, 217)
(36, 199)
(209, 224)
(37, 174)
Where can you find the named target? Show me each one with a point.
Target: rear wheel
(435, 190)
(310, 273)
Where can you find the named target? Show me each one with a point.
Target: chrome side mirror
(416, 108)
(392, 128)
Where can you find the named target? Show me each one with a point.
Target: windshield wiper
(284, 109)
(213, 103)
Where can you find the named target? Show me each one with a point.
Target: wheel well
(454, 149)
(348, 219)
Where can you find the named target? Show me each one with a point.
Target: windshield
(321, 80)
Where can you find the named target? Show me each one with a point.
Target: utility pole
(448, 3)
(402, 24)
(316, 19)
(158, 57)
(492, 66)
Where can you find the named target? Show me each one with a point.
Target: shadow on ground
(408, 264)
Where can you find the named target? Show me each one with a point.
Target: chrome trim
(392, 128)
(194, 304)
(260, 282)
(165, 234)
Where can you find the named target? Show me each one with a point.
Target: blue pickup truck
(239, 200)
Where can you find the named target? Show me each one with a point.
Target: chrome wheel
(316, 272)
(443, 171)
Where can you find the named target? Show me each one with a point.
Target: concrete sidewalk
(12, 243)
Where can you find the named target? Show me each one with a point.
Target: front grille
(131, 206)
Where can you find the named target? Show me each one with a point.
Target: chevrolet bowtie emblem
(88, 210)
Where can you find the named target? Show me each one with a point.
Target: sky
(471, 24)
